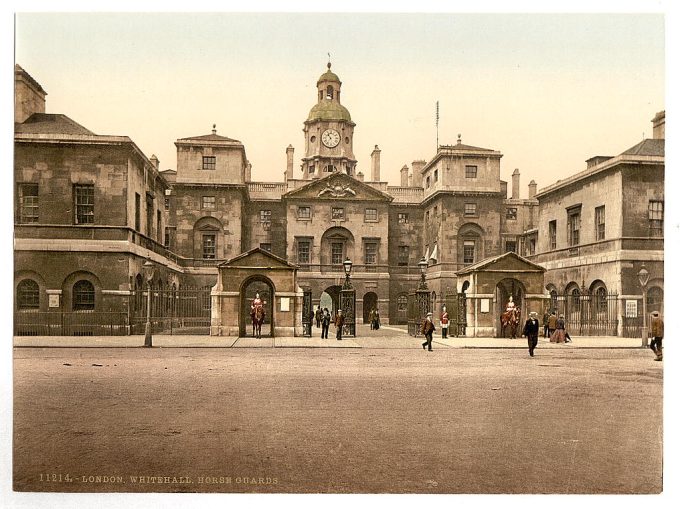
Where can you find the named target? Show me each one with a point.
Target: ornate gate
(589, 314)
(175, 311)
(307, 313)
(456, 306)
(418, 308)
(348, 306)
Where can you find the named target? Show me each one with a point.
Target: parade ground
(379, 415)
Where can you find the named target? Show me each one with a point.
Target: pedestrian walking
(325, 323)
(371, 318)
(376, 320)
(339, 322)
(657, 334)
(428, 329)
(318, 315)
(444, 322)
(531, 331)
(552, 324)
(560, 335)
(546, 328)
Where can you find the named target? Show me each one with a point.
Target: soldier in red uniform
(444, 321)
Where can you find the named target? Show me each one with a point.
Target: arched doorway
(250, 287)
(370, 303)
(330, 298)
(504, 290)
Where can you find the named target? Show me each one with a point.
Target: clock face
(330, 138)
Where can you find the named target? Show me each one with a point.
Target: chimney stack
(360, 177)
(249, 169)
(532, 189)
(515, 184)
(417, 167)
(375, 165)
(29, 96)
(289, 162)
(154, 160)
(404, 176)
(659, 126)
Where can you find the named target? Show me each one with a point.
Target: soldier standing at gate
(339, 322)
(444, 321)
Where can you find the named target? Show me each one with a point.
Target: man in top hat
(531, 331)
(427, 328)
(657, 334)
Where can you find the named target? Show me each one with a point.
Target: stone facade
(453, 210)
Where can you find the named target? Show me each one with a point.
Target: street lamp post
(149, 269)
(348, 301)
(422, 297)
(643, 278)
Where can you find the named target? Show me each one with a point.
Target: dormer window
(329, 92)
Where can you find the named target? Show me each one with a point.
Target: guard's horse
(257, 316)
(510, 318)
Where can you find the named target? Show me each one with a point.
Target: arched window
(402, 303)
(83, 295)
(575, 296)
(329, 92)
(601, 299)
(28, 294)
(654, 299)
(553, 300)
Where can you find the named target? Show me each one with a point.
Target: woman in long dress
(560, 334)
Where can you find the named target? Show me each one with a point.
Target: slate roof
(647, 147)
(209, 137)
(50, 123)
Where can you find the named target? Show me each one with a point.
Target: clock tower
(329, 132)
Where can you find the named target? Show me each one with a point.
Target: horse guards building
(102, 234)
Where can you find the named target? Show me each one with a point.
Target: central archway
(250, 287)
(330, 298)
(370, 303)
(504, 290)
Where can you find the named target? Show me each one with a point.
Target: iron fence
(71, 323)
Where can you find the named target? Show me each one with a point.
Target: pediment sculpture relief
(337, 191)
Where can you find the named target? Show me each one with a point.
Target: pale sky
(547, 90)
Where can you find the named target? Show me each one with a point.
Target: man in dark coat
(325, 323)
(427, 328)
(552, 323)
(531, 331)
(657, 334)
(339, 322)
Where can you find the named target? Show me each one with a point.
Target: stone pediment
(337, 186)
(507, 262)
(257, 258)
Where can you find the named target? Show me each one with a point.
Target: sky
(546, 90)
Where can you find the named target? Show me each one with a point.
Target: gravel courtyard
(337, 420)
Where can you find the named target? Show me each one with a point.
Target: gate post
(307, 313)
(348, 306)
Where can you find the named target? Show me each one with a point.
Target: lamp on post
(348, 300)
(422, 264)
(347, 265)
(643, 278)
(149, 269)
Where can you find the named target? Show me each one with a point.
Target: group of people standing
(323, 320)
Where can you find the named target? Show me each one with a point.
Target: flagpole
(437, 124)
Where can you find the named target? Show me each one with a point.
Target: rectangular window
(304, 213)
(403, 255)
(166, 240)
(511, 213)
(655, 218)
(208, 203)
(138, 212)
(337, 213)
(574, 226)
(371, 215)
(209, 247)
(371, 253)
(84, 203)
(427, 216)
(436, 210)
(470, 172)
(149, 215)
(532, 246)
(336, 253)
(468, 252)
(427, 182)
(266, 246)
(599, 223)
(266, 219)
(552, 234)
(167, 203)
(303, 252)
(436, 175)
(402, 217)
(470, 209)
(510, 246)
(209, 162)
(158, 225)
(28, 203)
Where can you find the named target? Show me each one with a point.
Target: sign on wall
(285, 303)
(484, 305)
(631, 309)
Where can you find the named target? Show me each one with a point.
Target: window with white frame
(371, 215)
(28, 203)
(655, 218)
(599, 223)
